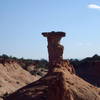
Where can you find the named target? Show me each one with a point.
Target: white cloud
(94, 6)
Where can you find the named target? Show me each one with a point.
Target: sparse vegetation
(24, 62)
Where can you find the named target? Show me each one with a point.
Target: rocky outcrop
(94, 73)
(55, 49)
(60, 83)
(67, 86)
(89, 71)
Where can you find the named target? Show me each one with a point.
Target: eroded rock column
(55, 49)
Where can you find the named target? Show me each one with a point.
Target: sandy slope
(13, 77)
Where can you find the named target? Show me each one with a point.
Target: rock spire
(55, 49)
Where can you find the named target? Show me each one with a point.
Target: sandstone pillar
(55, 49)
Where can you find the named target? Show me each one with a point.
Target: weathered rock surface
(89, 70)
(13, 77)
(55, 49)
(60, 83)
(92, 73)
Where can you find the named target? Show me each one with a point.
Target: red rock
(55, 49)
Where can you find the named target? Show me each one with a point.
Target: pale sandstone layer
(13, 77)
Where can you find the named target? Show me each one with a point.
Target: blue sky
(23, 21)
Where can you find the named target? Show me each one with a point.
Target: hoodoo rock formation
(60, 83)
(55, 50)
